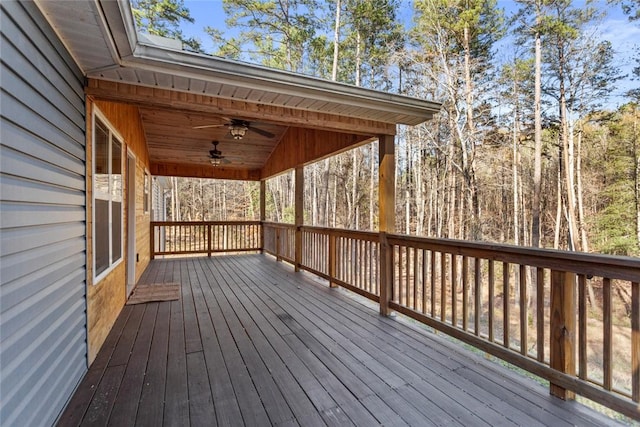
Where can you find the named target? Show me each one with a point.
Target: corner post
(152, 241)
(563, 328)
(332, 260)
(386, 202)
(263, 211)
(299, 214)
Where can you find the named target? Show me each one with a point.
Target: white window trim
(112, 133)
(146, 191)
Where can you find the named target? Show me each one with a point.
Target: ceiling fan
(215, 156)
(238, 128)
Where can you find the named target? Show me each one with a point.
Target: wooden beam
(163, 98)
(299, 214)
(201, 171)
(563, 328)
(387, 220)
(300, 146)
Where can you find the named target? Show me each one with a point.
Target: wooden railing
(280, 240)
(344, 257)
(571, 318)
(519, 304)
(181, 238)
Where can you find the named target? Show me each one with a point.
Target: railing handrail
(344, 232)
(171, 223)
(611, 266)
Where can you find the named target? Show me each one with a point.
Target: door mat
(155, 292)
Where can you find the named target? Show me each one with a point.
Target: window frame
(146, 192)
(113, 134)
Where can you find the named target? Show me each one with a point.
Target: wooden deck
(252, 343)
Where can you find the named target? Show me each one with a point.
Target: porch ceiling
(178, 90)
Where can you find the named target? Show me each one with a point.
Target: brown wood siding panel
(106, 298)
(300, 146)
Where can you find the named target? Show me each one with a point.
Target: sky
(624, 35)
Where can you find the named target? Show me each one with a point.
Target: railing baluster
(506, 319)
(465, 293)
(407, 276)
(524, 318)
(433, 284)
(540, 312)
(477, 295)
(415, 278)
(582, 327)
(491, 284)
(443, 286)
(607, 350)
(635, 341)
(424, 280)
(454, 289)
(361, 273)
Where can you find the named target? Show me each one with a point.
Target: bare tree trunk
(327, 192)
(358, 57)
(558, 226)
(335, 200)
(636, 175)
(514, 167)
(581, 216)
(468, 147)
(314, 194)
(354, 192)
(419, 189)
(372, 162)
(566, 156)
(336, 42)
(537, 161)
(407, 188)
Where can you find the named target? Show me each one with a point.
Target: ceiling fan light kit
(238, 128)
(238, 131)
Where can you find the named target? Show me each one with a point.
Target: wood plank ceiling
(174, 137)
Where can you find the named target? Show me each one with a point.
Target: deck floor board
(253, 343)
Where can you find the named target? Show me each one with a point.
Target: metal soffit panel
(80, 27)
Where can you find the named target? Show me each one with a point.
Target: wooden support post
(387, 220)
(299, 215)
(209, 240)
(332, 260)
(277, 230)
(152, 241)
(263, 211)
(563, 328)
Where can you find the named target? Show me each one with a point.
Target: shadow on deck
(252, 343)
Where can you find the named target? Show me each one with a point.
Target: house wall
(106, 298)
(43, 348)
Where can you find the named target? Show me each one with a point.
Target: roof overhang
(101, 36)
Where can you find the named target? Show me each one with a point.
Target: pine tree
(163, 18)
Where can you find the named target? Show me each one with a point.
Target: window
(107, 198)
(147, 184)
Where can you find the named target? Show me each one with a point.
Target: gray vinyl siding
(43, 348)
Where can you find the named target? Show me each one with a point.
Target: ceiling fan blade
(209, 126)
(262, 132)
